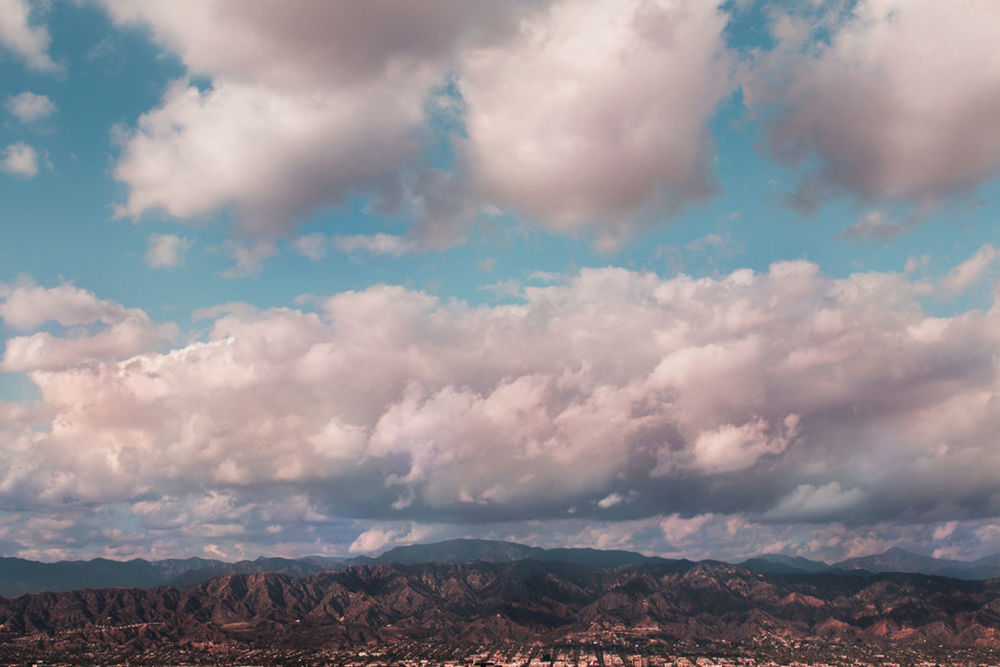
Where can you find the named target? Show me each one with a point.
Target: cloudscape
(688, 278)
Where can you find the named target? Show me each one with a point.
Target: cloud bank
(779, 398)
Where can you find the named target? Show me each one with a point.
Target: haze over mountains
(18, 576)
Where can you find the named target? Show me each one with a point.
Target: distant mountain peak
(462, 550)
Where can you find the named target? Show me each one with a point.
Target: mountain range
(18, 576)
(524, 600)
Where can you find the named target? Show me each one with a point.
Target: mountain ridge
(19, 575)
(524, 600)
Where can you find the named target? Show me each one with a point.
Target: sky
(324, 277)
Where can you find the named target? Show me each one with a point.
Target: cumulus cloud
(776, 397)
(24, 36)
(808, 502)
(27, 306)
(166, 250)
(273, 155)
(596, 111)
(582, 116)
(899, 103)
(119, 331)
(307, 106)
(21, 160)
(729, 448)
(29, 107)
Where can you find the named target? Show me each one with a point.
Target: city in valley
(620, 653)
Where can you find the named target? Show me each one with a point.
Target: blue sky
(322, 278)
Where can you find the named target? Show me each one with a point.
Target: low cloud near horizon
(785, 399)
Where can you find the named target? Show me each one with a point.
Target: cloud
(258, 150)
(583, 117)
(742, 397)
(315, 246)
(970, 271)
(874, 226)
(307, 105)
(24, 37)
(897, 104)
(729, 448)
(816, 503)
(596, 111)
(26, 306)
(249, 257)
(610, 501)
(122, 331)
(376, 244)
(21, 160)
(166, 250)
(376, 540)
(29, 107)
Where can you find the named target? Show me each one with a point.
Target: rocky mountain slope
(523, 600)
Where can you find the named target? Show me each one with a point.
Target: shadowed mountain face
(19, 576)
(23, 576)
(782, 564)
(489, 602)
(493, 551)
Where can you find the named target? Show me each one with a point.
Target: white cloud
(729, 448)
(24, 37)
(308, 104)
(899, 103)
(376, 540)
(29, 107)
(273, 155)
(312, 104)
(816, 503)
(166, 250)
(316, 245)
(874, 226)
(26, 306)
(970, 271)
(597, 110)
(756, 391)
(610, 501)
(21, 160)
(249, 257)
(122, 331)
